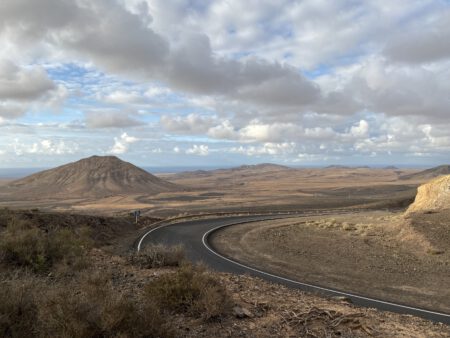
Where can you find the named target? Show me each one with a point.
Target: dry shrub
(24, 245)
(190, 290)
(96, 309)
(156, 256)
(18, 309)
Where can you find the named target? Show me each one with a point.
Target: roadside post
(137, 214)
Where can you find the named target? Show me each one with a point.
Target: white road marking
(205, 243)
(337, 292)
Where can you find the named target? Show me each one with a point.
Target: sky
(222, 83)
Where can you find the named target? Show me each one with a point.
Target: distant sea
(15, 173)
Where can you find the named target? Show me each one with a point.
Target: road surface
(193, 235)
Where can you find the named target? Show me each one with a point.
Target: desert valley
(224, 169)
(355, 229)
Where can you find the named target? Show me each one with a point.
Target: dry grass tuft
(96, 309)
(191, 290)
(18, 308)
(156, 256)
(25, 245)
(324, 323)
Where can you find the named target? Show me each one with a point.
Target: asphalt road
(193, 235)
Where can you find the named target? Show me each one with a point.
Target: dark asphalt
(192, 233)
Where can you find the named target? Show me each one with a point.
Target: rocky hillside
(432, 196)
(96, 176)
(428, 174)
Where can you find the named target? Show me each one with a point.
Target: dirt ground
(378, 254)
(276, 311)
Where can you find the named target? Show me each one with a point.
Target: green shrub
(156, 256)
(190, 290)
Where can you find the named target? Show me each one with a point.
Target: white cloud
(21, 88)
(225, 130)
(360, 130)
(268, 148)
(124, 97)
(257, 131)
(45, 147)
(333, 78)
(122, 144)
(190, 124)
(423, 42)
(21, 84)
(200, 150)
(110, 119)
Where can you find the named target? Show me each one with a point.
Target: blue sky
(222, 83)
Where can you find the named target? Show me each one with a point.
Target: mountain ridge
(428, 173)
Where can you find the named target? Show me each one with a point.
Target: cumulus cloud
(268, 148)
(200, 150)
(124, 97)
(23, 87)
(360, 130)
(45, 147)
(121, 41)
(258, 131)
(22, 84)
(394, 90)
(122, 144)
(296, 79)
(10, 110)
(190, 124)
(110, 119)
(224, 130)
(424, 42)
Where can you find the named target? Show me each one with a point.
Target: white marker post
(136, 215)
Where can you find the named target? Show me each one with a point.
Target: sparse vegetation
(89, 306)
(156, 256)
(191, 289)
(112, 298)
(94, 308)
(22, 244)
(18, 308)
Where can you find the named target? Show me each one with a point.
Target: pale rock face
(432, 196)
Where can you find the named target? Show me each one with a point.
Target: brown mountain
(428, 174)
(96, 176)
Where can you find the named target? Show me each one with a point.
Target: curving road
(193, 235)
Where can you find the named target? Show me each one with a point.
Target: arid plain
(258, 188)
(348, 228)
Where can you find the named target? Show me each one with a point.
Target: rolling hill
(254, 169)
(428, 173)
(93, 177)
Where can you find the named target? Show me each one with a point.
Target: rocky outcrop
(432, 196)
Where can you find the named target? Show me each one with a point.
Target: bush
(18, 309)
(156, 256)
(24, 245)
(96, 309)
(190, 290)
